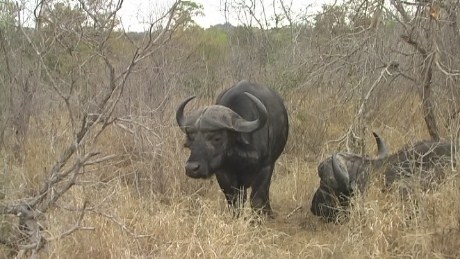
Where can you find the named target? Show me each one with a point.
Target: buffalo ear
(243, 148)
(243, 139)
(341, 174)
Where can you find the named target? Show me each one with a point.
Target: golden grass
(143, 206)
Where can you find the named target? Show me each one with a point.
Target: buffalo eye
(215, 139)
(190, 137)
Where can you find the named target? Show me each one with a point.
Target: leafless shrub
(60, 28)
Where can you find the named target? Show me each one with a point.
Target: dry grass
(143, 206)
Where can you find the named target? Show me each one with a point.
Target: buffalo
(343, 174)
(238, 139)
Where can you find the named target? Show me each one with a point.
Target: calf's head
(212, 133)
(339, 175)
(334, 190)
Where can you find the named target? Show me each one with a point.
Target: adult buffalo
(342, 174)
(238, 139)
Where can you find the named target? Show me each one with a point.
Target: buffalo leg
(235, 196)
(260, 200)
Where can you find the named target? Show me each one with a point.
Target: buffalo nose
(192, 167)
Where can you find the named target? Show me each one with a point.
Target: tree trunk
(427, 101)
(22, 116)
(426, 91)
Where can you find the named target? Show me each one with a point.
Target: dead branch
(443, 70)
(123, 227)
(100, 160)
(400, 7)
(30, 230)
(77, 226)
(350, 132)
(414, 44)
(293, 211)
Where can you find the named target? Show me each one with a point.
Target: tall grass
(141, 204)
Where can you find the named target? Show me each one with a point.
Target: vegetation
(92, 160)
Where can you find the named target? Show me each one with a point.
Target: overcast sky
(135, 13)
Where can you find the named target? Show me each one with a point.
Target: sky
(135, 13)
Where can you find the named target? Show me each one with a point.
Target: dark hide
(238, 139)
(422, 163)
(343, 174)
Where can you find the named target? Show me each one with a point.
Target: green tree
(187, 11)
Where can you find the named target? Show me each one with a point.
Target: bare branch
(100, 160)
(414, 44)
(399, 6)
(359, 114)
(123, 227)
(293, 211)
(447, 73)
(77, 226)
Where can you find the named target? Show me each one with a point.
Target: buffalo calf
(342, 174)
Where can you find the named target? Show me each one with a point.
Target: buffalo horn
(381, 146)
(180, 112)
(250, 126)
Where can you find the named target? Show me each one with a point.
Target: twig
(29, 225)
(360, 112)
(293, 211)
(366, 98)
(122, 226)
(447, 73)
(76, 227)
(100, 160)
